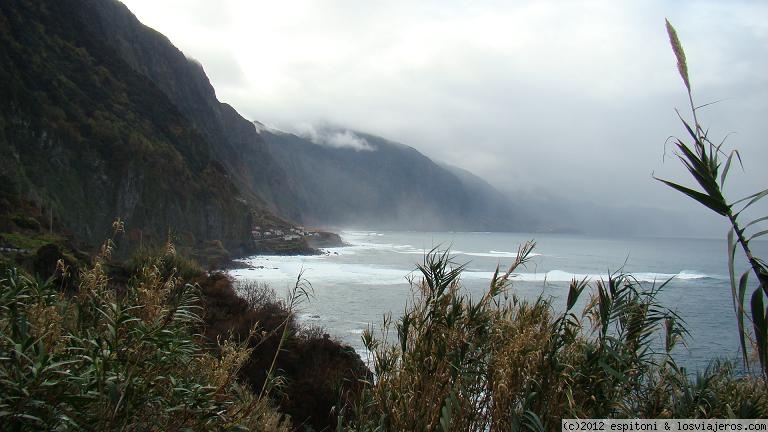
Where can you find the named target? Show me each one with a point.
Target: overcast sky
(572, 96)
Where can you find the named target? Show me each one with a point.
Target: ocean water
(355, 285)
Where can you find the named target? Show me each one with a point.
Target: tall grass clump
(497, 363)
(183, 266)
(119, 359)
(709, 164)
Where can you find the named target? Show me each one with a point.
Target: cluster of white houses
(274, 233)
(13, 249)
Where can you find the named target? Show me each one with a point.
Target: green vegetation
(109, 360)
(312, 374)
(504, 363)
(165, 351)
(88, 137)
(30, 241)
(155, 343)
(172, 262)
(702, 159)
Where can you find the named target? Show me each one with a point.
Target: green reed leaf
(759, 324)
(758, 220)
(755, 197)
(740, 314)
(705, 200)
(758, 234)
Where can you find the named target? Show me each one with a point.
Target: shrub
(502, 363)
(104, 360)
(184, 267)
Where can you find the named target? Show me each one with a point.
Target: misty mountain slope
(85, 134)
(234, 140)
(384, 184)
(496, 204)
(395, 186)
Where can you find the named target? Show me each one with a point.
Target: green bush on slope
(109, 360)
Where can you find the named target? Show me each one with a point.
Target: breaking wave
(563, 276)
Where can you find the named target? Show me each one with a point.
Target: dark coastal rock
(212, 254)
(280, 246)
(45, 264)
(388, 185)
(319, 371)
(325, 239)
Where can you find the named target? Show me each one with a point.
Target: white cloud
(573, 96)
(333, 137)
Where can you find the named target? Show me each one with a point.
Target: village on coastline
(294, 240)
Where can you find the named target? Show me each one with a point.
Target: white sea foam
(344, 306)
(360, 241)
(318, 269)
(381, 246)
(357, 243)
(493, 254)
(563, 276)
(661, 277)
(406, 249)
(324, 269)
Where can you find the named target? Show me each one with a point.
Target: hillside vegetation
(102, 117)
(84, 135)
(154, 343)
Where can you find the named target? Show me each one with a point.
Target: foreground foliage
(137, 357)
(146, 353)
(118, 358)
(703, 159)
(456, 363)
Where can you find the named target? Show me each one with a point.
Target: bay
(355, 285)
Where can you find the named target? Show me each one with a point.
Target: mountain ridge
(269, 171)
(391, 185)
(88, 138)
(104, 118)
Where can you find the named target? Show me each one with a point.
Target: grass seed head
(677, 47)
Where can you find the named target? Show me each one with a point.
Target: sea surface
(355, 285)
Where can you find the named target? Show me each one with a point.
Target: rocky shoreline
(309, 244)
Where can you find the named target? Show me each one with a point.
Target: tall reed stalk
(704, 161)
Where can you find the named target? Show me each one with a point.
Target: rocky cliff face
(395, 186)
(102, 117)
(82, 132)
(235, 142)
